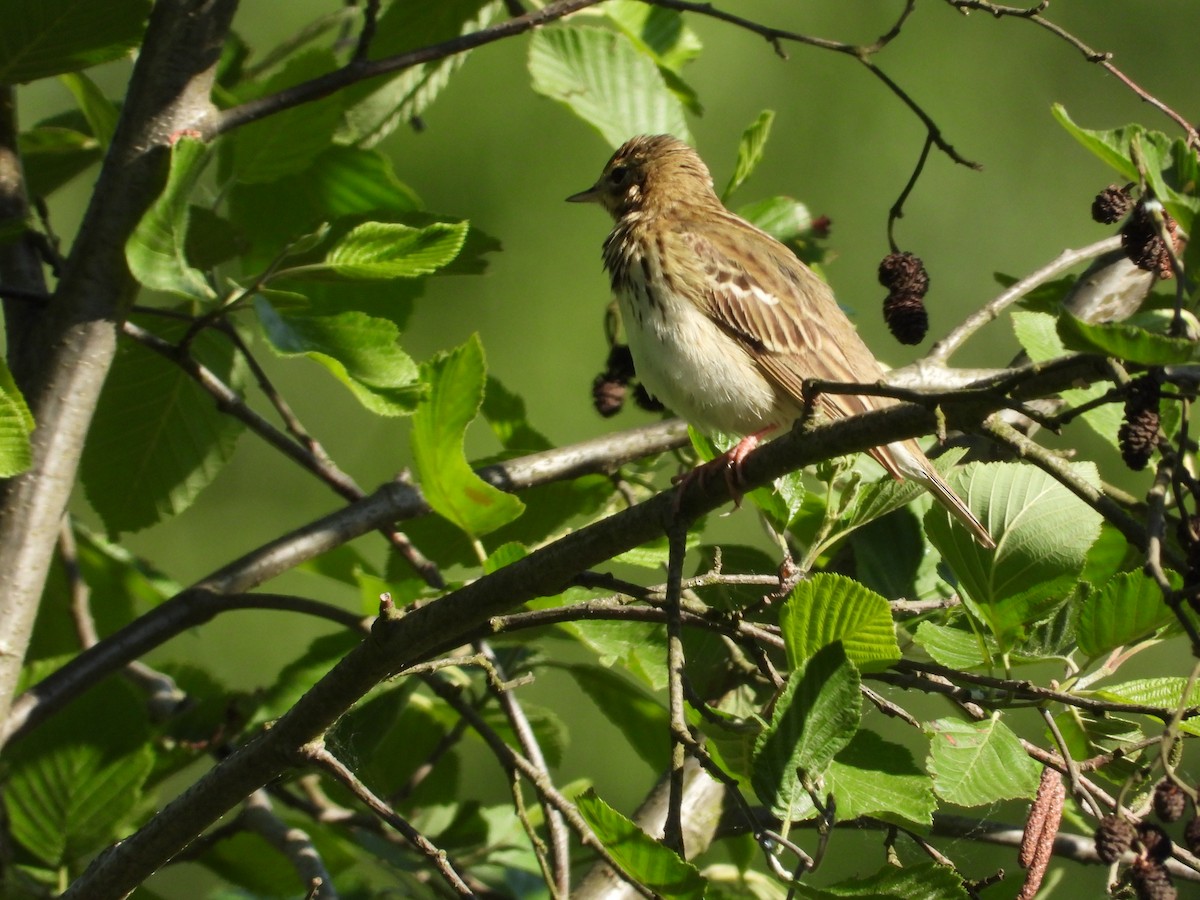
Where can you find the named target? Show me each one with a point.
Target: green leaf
(978, 763)
(1042, 533)
(1166, 693)
(639, 651)
(287, 142)
(1039, 335)
(156, 251)
(1122, 610)
(343, 182)
(815, 717)
(158, 438)
(376, 107)
(828, 608)
(925, 881)
(605, 81)
(384, 250)
(1143, 338)
(456, 381)
(505, 413)
(956, 648)
(750, 151)
(54, 155)
(72, 784)
(1112, 147)
(874, 777)
(638, 854)
(100, 112)
(662, 33)
(1161, 156)
(783, 218)
(641, 719)
(48, 37)
(890, 557)
(361, 351)
(16, 426)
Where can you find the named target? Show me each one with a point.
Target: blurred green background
(495, 153)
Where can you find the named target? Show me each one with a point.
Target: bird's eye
(618, 175)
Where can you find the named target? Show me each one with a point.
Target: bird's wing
(759, 293)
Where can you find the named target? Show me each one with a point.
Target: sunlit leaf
(827, 608)
(640, 855)
(603, 78)
(750, 151)
(978, 763)
(156, 251)
(1042, 534)
(815, 717)
(456, 381)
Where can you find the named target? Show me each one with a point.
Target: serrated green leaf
(100, 112)
(1165, 693)
(978, 763)
(874, 777)
(640, 718)
(955, 648)
(16, 426)
(48, 37)
(1112, 147)
(640, 855)
(376, 108)
(456, 380)
(925, 881)
(363, 352)
(1142, 338)
(156, 251)
(385, 250)
(605, 81)
(71, 785)
(750, 151)
(828, 608)
(815, 718)
(1042, 533)
(158, 439)
(1124, 609)
(287, 142)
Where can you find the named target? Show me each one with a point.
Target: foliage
(278, 234)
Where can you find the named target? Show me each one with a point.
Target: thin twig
(317, 754)
(990, 311)
(673, 827)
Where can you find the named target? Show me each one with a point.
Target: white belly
(697, 370)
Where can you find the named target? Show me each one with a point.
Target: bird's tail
(911, 462)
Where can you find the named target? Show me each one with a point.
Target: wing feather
(759, 293)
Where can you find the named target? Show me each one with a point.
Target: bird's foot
(729, 464)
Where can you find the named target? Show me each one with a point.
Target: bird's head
(650, 171)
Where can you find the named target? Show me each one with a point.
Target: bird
(725, 323)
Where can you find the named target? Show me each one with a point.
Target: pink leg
(730, 464)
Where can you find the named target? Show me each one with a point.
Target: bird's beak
(591, 195)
